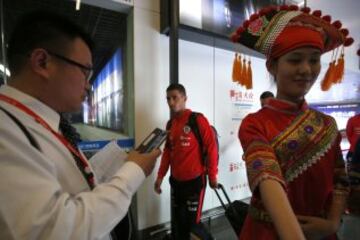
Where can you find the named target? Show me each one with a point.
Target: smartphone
(152, 141)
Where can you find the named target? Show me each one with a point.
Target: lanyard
(38, 119)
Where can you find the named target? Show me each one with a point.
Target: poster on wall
(242, 103)
(233, 103)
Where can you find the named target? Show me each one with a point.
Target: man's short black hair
(178, 87)
(42, 29)
(266, 94)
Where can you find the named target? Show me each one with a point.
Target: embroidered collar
(286, 106)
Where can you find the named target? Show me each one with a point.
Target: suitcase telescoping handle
(220, 186)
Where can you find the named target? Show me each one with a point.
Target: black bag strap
(28, 135)
(168, 125)
(193, 124)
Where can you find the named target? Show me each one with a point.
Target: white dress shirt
(43, 195)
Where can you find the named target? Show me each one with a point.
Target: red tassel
(327, 80)
(240, 70)
(339, 72)
(249, 76)
(244, 77)
(235, 69)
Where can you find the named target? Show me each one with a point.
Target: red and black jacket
(182, 151)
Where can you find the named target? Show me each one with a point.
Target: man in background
(184, 155)
(352, 133)
(48, 189)
(264, 97)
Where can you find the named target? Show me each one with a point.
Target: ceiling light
(78, 2)
(7, 72)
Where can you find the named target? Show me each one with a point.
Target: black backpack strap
(193, 124)
(168, 125)
(30, 137)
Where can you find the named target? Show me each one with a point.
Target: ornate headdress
(276, 30)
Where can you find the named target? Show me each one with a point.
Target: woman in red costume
(292, 152)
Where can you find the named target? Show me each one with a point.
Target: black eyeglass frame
(88, 71)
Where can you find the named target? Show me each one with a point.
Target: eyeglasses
(88, 71)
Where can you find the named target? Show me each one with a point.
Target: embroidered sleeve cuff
(261, 164)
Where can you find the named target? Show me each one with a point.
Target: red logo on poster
(239, 96)
(239, 186)
(235, 166)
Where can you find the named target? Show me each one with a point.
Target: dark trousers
(186, 205)
(349, 157)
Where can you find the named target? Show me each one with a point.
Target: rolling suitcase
(235, 211)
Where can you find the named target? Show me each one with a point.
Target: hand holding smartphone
(152, 141)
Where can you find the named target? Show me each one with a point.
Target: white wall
(151, 77)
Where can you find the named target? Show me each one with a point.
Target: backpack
(193, 124)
